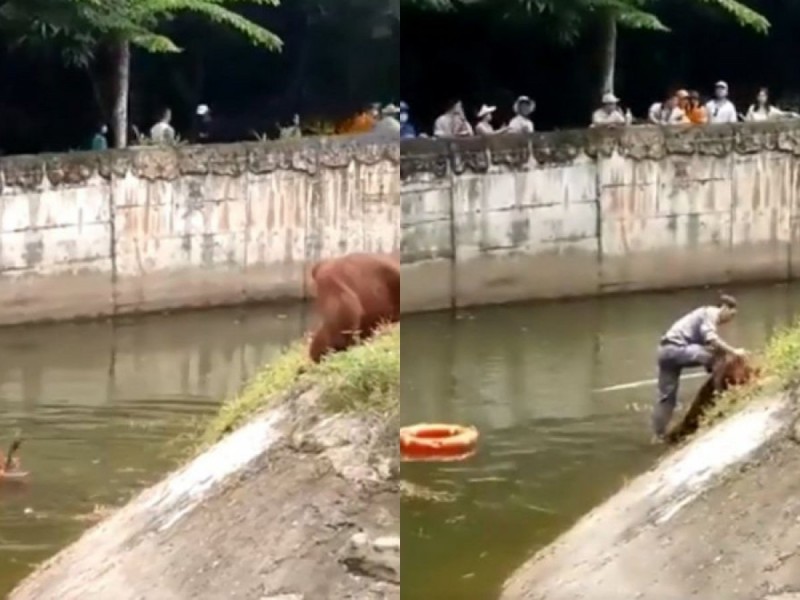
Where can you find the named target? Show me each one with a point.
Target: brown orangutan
(727, 371)
(355, 294)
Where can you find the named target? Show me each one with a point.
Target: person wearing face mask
(407, 130)
(452, 123)
(522, 123)
(720, 109)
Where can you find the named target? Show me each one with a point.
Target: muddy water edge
(551, 446)
(107, 408)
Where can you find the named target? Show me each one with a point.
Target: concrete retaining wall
(92, 234)
(576, 213)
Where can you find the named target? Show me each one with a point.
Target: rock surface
(719, 518)
(296, 505)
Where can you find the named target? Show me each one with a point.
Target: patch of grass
(365, 378)
(779, 362)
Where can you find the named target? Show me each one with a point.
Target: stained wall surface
(578, 213)
(92, 234)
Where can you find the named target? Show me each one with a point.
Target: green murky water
(100, 407)
(550, 447)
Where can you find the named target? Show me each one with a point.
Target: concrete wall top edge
(27, 172)
(441, 157)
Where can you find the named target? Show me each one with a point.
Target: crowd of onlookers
(374, 117)
(680, 107)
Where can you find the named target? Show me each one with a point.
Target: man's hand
(740, 352)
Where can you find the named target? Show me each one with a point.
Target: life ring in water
(428, 440)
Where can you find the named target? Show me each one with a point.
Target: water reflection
(100, 405)
(550, 448)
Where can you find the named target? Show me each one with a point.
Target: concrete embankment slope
(717, 519)
(299, 503)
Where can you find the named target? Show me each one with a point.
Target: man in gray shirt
(692, 341)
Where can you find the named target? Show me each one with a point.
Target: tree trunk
(122, 70)
(609, 52)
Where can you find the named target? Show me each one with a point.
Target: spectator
(667, 112)
(162, 132)
(522, 123)
(407, 130)
(99, 140)
(610, 113)
(683, 99)
(363, 122)
(764, 110)
(484, 124)
(201, 128)
(720, 109)
(294, 130)
(452, 123)
(388, 122)
(695, 111)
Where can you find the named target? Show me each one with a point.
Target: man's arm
(712, 338)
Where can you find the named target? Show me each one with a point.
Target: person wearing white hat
(522, 123)
(720, 109)
(201, 127)
(610, 113)
(484, 124)
(389, 122)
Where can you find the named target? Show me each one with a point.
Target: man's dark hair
(727, 301)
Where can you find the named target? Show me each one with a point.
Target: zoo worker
(692, 341)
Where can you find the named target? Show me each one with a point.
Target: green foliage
(569, 18)
(80, 25)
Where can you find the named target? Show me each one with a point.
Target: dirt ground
(314, 517)
(734, 536)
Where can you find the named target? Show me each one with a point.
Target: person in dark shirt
(202, 129)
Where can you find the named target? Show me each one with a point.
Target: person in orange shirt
(695, 110)
(363, 122)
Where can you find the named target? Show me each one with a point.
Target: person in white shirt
(484, 124)
(667, 112)
(764, 110)
(522, 123)
(162, 132)
(452, 123)
(610, 113)
(720, 109)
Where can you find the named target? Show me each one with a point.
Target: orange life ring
(428, 440)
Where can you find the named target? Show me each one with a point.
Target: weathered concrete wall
(576, 213)
(719, 518)
(91, 234)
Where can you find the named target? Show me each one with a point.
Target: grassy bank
(779, 362)
(365, 378)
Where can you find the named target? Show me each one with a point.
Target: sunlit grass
(779, 362)
(366, 378)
